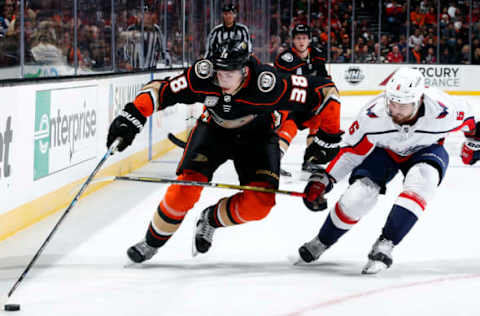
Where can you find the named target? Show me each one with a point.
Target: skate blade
(374, 267)
(195, 252)
(297, 261)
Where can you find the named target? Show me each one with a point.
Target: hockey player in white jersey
(402, 129)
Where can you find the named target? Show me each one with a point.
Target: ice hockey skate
(310, 251)
(285, 173)
(141, 252)
(203, 233)
(380, 257)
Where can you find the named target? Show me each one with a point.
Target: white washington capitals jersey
(439, 115)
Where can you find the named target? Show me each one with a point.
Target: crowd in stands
(49, 35)
(413, 33)
(408, 33)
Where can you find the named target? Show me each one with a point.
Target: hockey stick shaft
(109, 152)
(209, 184)
(177, 141)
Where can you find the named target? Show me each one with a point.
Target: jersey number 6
(353, 128)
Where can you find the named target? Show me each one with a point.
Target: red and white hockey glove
(471, 151)
(319, 183)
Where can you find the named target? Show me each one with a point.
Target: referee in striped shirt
(228, 30)
(147, 53)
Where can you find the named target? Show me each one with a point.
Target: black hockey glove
(323, 148)
(319, 183)
(126, 126)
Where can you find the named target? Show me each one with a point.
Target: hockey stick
(109, 152)
(180, 143)
(208, 184)
(177, 141)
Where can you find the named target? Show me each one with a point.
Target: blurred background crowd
(91, 36)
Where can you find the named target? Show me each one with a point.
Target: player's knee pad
(360, 197)
(419, 187)
(180, 198)
(251, 206)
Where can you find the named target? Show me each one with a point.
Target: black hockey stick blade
(177, 141)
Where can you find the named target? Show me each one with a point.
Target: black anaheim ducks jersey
(263, 91)
(290, 62)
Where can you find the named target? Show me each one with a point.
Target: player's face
(400, 112)
(229, 80)
(301, 42)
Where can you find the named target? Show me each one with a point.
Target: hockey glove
(126, 126)
(323, 148)
(319, 183)
(471, 151)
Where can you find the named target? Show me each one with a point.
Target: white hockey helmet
(406, 86)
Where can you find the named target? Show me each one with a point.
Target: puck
(12, 307)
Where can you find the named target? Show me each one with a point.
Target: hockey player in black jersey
(304, 59)
(238, 123)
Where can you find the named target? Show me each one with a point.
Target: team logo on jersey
(204, 69)
(354, 75)
(227, 98)
(266, 81)
(211, 101)
(288, 57)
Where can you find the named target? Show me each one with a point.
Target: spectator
(386, 46)
(395, 56)
(417, 18)
(430, 57)
(452, 11)
(402, 45)
(373, 56)
(465, 54)
(476, 56)
(445, 56)
(431, 17)
(415, 39)
(362, 55)
(417, 54)
(44, 47)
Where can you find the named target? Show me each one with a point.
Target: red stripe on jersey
(469, 122)
(396, 157)
(288, 69)
(362, 148)
(343, 217)
(414, 197)
(271, 103)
